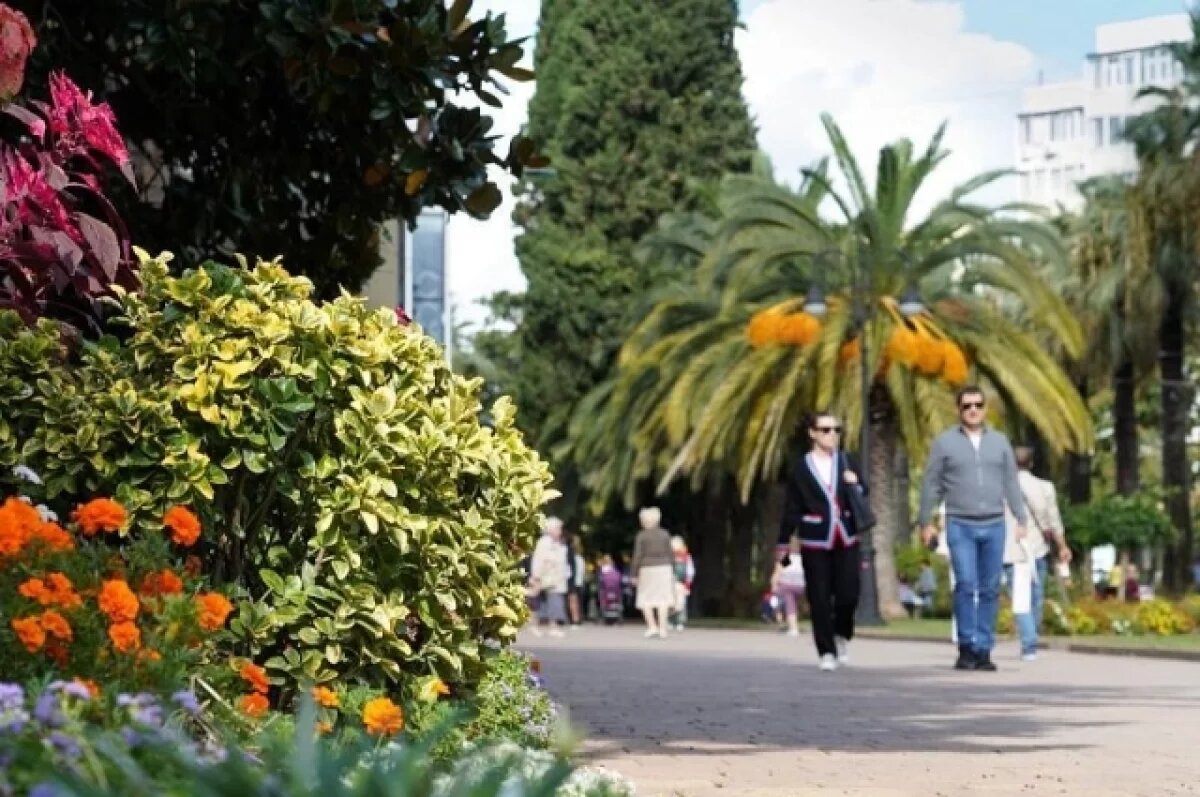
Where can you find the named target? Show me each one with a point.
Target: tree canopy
(290, 127)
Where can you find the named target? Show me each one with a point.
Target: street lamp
(910, 305)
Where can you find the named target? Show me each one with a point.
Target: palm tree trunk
(708, 553)
(885, 438)
(1079, 463)
(1125, 430)
(1176, 469)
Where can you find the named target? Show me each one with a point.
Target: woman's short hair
(677, 544)
(650, 514)
(554, 524)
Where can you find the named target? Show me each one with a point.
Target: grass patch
(1185, 642)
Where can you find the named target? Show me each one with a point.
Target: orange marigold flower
(440, 687)
(17, 523)
(126, 637)
(117, 601)
(100, 514)
(324, 727)
(35, 589)
(30, 632)
(382, 717)
(90, 685)
(213, 609)
(253, 705)
(149, 654)
(63, 591)
(164, 582)
(184, 525)
(255, 676)
(53, 537)
(56, 625)
(324, 696)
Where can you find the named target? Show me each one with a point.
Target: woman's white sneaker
(828, 663)
(843, 649)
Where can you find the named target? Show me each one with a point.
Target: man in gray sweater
(972, 469)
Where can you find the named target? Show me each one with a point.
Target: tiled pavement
(707, 713)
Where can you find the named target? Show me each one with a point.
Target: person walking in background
(653, 574)
(1025, 560)
(972, 469)
(549, 574)
(575, 574)
(817, 510)
(787, 581)
(684, 570)
(609, 592)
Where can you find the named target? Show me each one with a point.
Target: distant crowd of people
(563, 589)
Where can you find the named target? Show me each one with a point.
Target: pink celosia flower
(73, 115)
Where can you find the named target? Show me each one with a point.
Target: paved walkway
(726, 713)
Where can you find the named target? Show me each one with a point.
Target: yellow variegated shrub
(352, 490)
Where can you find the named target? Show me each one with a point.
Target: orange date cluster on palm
(916, 349)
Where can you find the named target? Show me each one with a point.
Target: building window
(1098, 131)
(1114, 70)
(1097, 72)
(1129, 70)
(1116, 127)
(1026, 132)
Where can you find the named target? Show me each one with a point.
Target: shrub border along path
(1182, 647)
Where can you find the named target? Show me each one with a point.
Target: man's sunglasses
(971, 405)
(828, 429)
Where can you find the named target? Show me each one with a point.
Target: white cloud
(885, 69)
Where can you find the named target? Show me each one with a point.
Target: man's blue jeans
(977, 556)
(1027, 624)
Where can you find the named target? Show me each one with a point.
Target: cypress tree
(639, 106)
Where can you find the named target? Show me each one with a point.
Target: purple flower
(65, 744)
(72, 688)
(150, 716)
(47, 711)
(132, 738)
(44, 790)
(186, 700)
(11, 696)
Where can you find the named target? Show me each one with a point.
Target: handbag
(860, 509)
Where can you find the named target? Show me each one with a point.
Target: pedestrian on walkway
(972, 469)
(684, 570)
(652, 572)
(549, 574)
(817, 511)
(1025, 564)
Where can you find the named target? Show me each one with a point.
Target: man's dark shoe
(966, 659)
(983, 661)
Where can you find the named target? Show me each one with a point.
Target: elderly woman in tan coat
(652, 570)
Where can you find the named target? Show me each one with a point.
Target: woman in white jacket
(549, 574)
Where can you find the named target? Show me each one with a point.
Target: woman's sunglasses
(828, 429)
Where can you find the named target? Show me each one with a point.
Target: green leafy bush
(353, 492)
(509, 705)
(1127, 522)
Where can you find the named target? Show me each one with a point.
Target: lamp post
(868, 613)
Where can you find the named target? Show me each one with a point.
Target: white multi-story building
(1068, 132)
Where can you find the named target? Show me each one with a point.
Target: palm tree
(1165, 203)
(698, 390)
(1108, 293)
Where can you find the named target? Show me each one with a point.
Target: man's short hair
(969, 390)
(1024, 456)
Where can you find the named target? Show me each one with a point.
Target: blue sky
(1059, 32)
